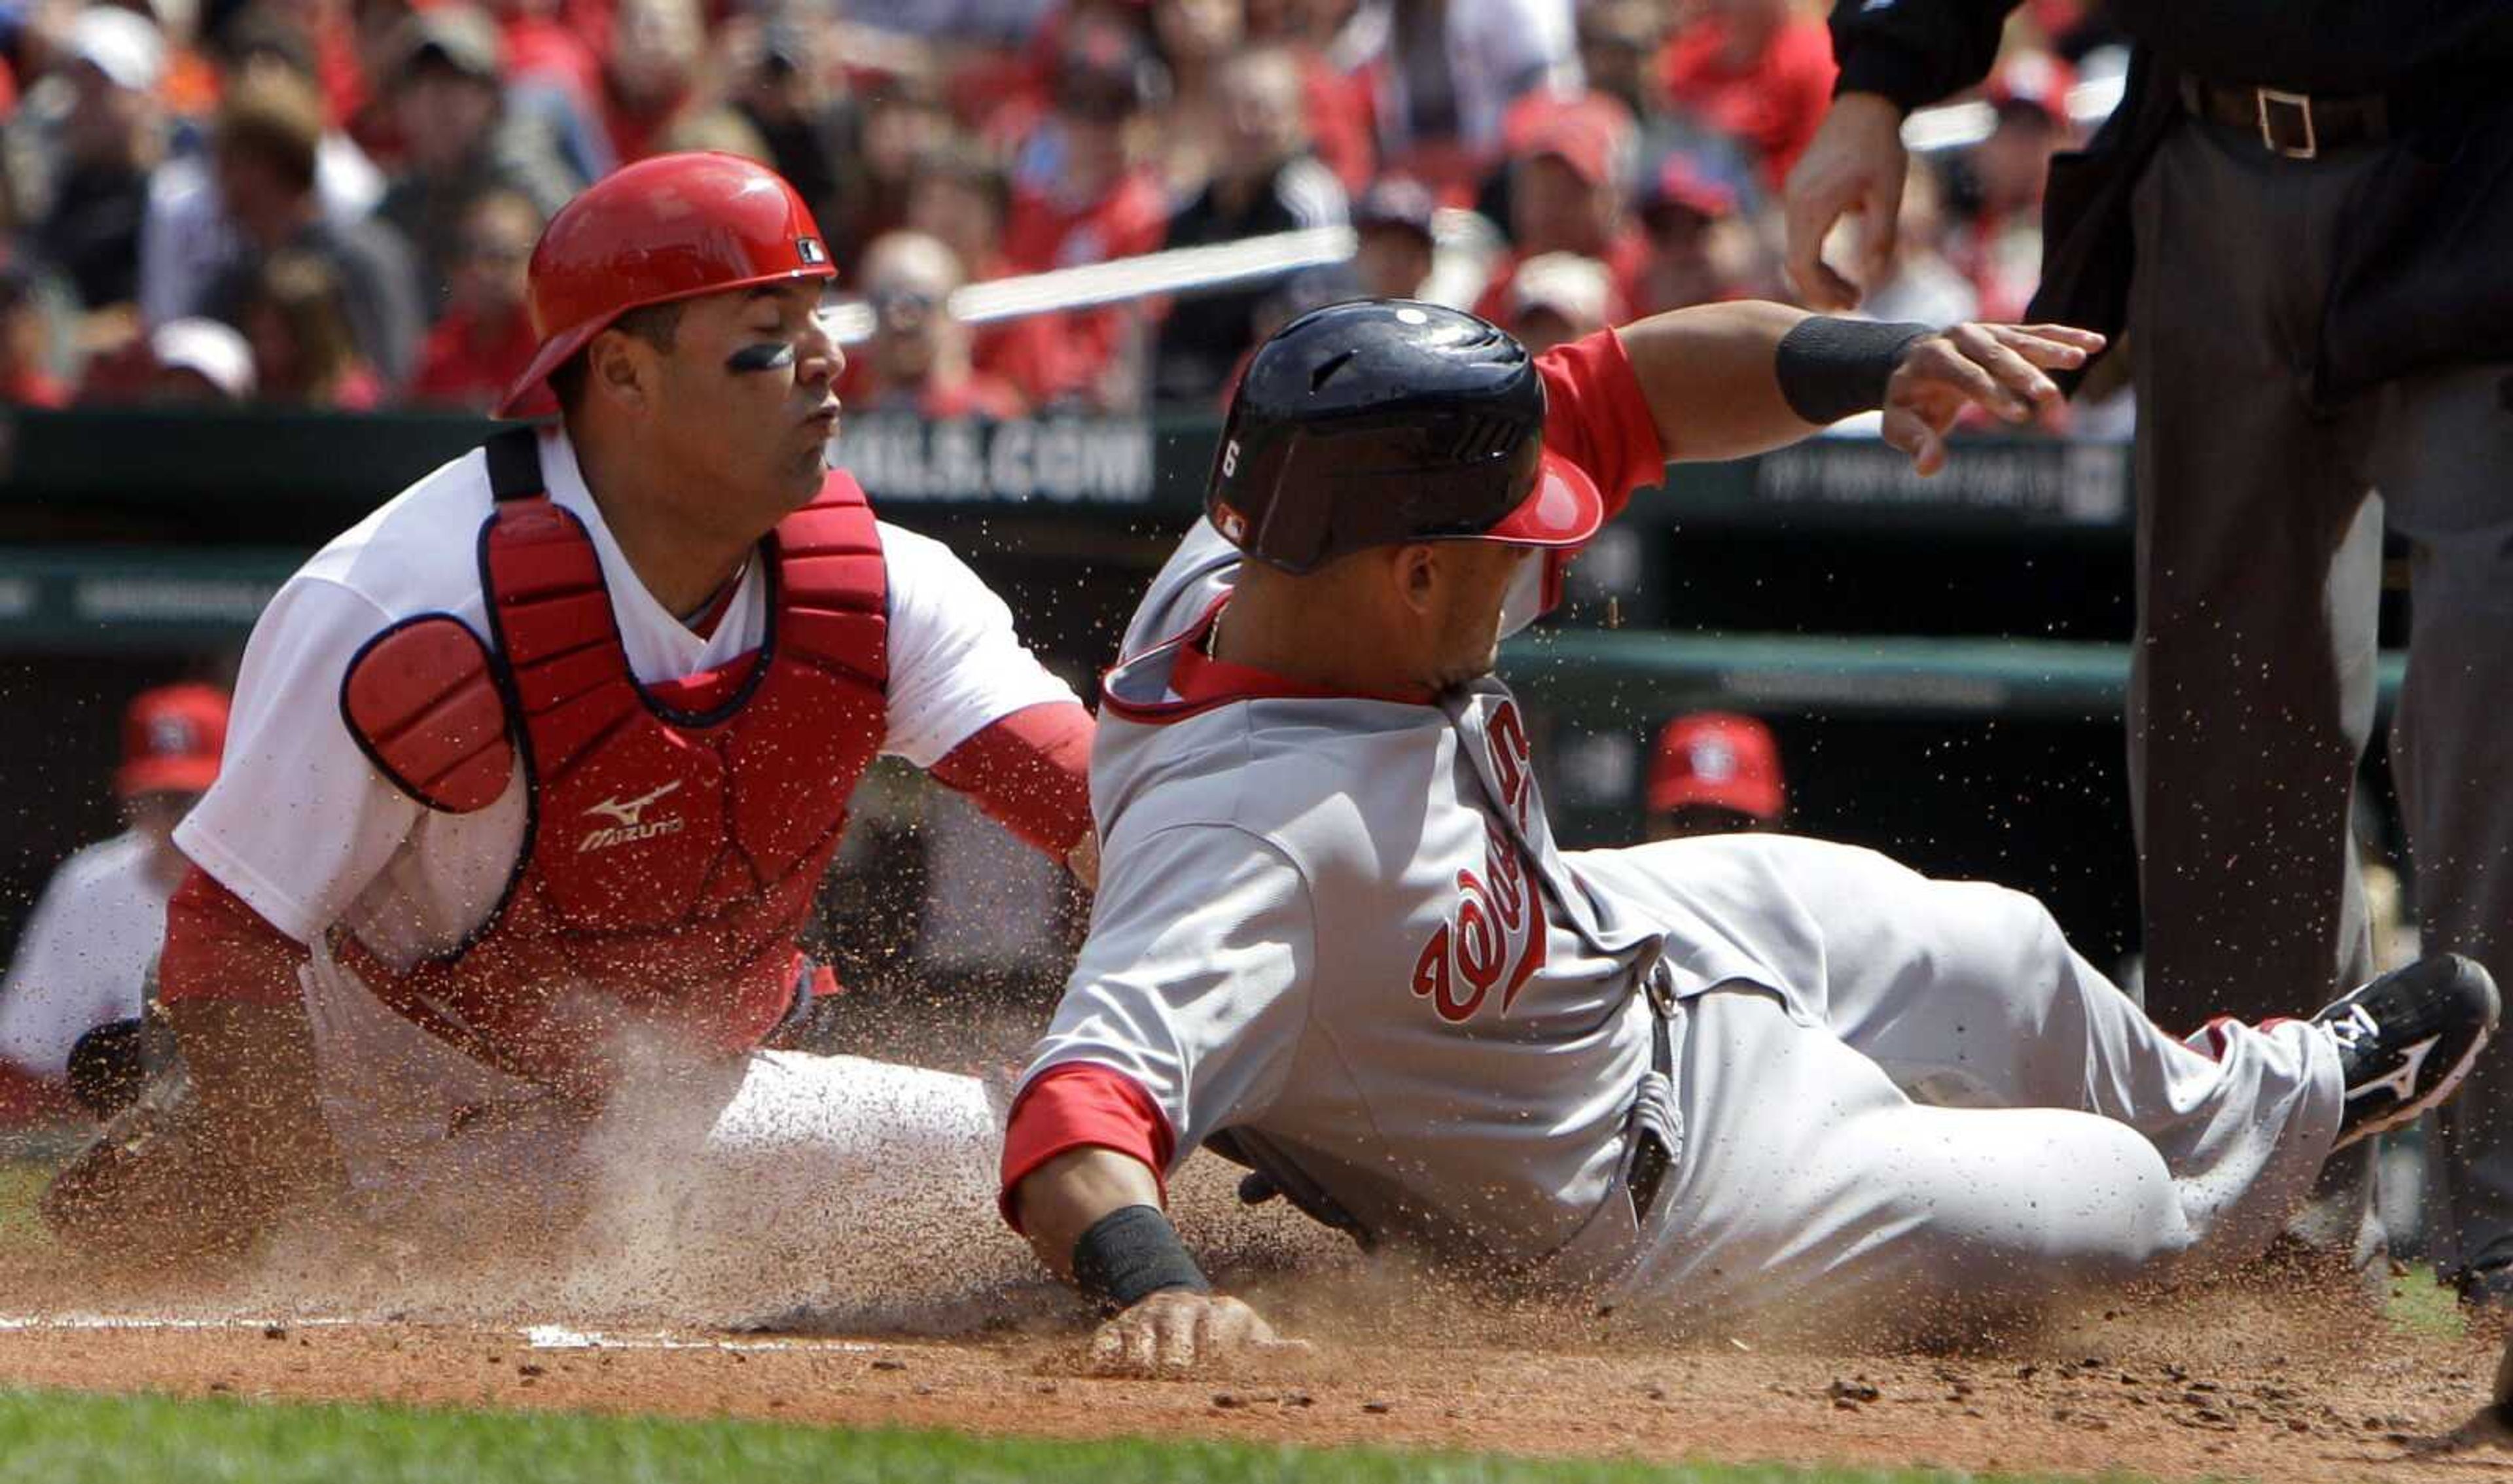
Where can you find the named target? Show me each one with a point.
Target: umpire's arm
(1729, 379)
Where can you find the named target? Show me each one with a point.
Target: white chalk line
(539, 1336)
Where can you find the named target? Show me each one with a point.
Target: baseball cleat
(2405, 1039)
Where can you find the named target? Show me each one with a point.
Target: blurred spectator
(918, 357)
(554, 75)
(966, 22)
(1332, 40)
(1618, 44)
(1999, 246)
(1081, 199)
(27, 377)
(652, 74)
(1921, 287)
(1557, 296)
(1392, 241)
(720, 130)
(1714, 773)
(1699, 250)
(303, 353)
(486, 337)
(1265, 181)
(785, 90)
(188, 236)
(904, 124)
(109, 143)
(1450, 69)
(961, 197)
(1196, 40)
(1756, 72)
(267, 133)
(459, 142)
(89, 952)
(1566, 195)
(198, 361)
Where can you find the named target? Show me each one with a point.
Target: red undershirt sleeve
(1597, 416)
(1080, 1105)
(1031, 771)
(218, 949)
(27, 1097)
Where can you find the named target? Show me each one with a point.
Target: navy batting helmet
(1383, 421)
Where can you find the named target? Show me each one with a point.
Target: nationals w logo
(1495, 937)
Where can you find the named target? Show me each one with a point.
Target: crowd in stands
(332, 203)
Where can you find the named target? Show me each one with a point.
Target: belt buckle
(2300, 105)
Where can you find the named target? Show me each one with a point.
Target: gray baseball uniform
(1337, 931)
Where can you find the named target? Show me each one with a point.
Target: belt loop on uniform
(2274, 105)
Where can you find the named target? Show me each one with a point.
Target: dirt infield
(2273, 1377)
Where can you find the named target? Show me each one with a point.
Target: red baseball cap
(1683, 183)
(1591, 132)
(171, 741)
(1717, 758)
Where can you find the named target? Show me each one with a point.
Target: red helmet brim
(1564, 509)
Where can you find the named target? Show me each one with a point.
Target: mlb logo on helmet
(1234, 525)
(810, 251)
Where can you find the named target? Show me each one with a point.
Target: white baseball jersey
(85, 956)
(1336, 929)
(1484, 1108)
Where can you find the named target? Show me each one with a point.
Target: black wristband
(1830, 369)
(1130, 1253)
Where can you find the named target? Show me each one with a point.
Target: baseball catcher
(534, 773)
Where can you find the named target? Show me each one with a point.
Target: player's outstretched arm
(1093, 1216)
(1728, 381)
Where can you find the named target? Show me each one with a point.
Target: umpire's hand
(1854, 165)
(1998, 367)
(1179, 1332)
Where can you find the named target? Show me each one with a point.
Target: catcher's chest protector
(676, 833)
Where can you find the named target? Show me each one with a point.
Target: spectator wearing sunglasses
(918, 359)
(485, 338)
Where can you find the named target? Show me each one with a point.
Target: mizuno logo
(2403, 1082)
(631, 824)
(626, 811)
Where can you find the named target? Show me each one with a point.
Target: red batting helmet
(675, 226)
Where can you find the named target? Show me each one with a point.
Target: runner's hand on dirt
(1178, 1332)
(1999, 367)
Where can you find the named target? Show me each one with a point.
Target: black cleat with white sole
(2405, 1040)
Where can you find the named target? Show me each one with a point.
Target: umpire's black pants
(2252, 687)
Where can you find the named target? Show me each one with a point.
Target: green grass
(60, 1438)
(2419, 1305)
(22, 1185)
